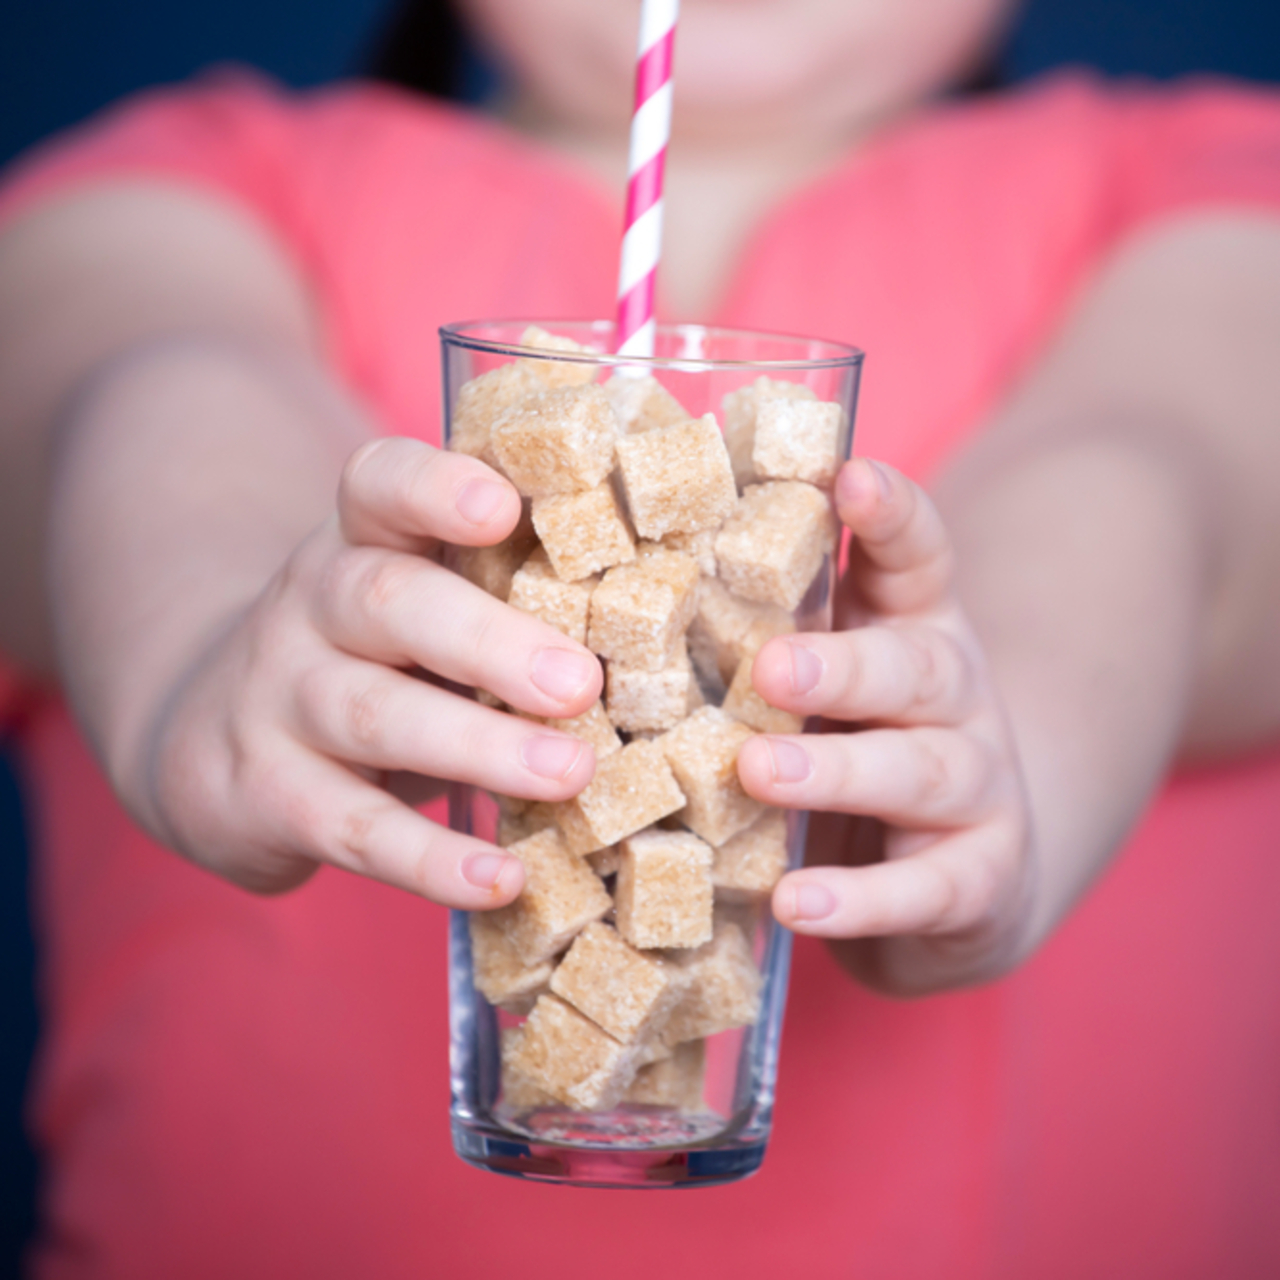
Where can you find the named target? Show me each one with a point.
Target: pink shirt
(258, 1087)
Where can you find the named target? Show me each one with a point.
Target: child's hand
(936, 872)
(271, 756)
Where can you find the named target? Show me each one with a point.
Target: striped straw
(650, 132)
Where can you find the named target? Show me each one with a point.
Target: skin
(1089, 597)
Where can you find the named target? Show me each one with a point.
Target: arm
(1107, 603)
(239, 652)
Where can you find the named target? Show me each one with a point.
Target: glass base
(600, 1167)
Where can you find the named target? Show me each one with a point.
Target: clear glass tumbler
(681, 960)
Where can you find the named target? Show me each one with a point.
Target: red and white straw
(650, 132)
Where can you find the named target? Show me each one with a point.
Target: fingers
(404, 610)
(368, 715)
(900, 558)
(905, 674)
(398, 493)
(920, 777)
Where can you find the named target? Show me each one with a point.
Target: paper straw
(650, 132)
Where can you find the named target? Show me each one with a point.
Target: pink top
(235, 1086)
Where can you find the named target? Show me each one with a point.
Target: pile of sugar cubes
(673, 550)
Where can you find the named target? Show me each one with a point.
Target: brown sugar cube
(568, 1056)
(519, 1092)
(748, 865)
(557, 373)
(561, 894)
(492, 568)
(797, 440)
(675, 1081)
(642, 404)
(723, 991)
(640, 611)
(677, 479)
(513, 827)
(481, 402)
(583, 532)
(703, 753)
(616, 986)
(604, 862)
(701, 546)
(538, 589)
(663, 895)
(558, 440)
(772, 546)
(631, 789)
(650, 701)
(500, 975)
(740, 409)
(743, 703)
(593, 727)
(726, 628)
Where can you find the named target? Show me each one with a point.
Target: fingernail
(484, 870)
(806, 669)
(862, 479)
(550, 757)
(812, 901)
(480, 500)
(882, 480)
(790, 762)
(561, 673)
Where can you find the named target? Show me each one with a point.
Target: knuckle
(385, 582)
(365, 714)
(934, 773)
(354, 839)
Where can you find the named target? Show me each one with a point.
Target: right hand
(274, 751)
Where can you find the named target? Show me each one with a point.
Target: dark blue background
(60, 60)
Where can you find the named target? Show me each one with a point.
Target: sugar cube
(726, 628)
(743, 703)
(492, 568)
(519, 1091)
(723, 991)
(797, 440)
(500, 975)
(513, 827)
(604, 862)
(703, 753)
(748, 865)
(701, 546)
(664, 896)
(481, 402)
(773, 543)
(561, 894)
(593, 727)
(641, 404)
(620, 989)
(569, 1057)
(640, 611)
(650, 701)
(740, 409)
(631, 789)
(583, 532)
(558, 440)
(675, 1081)
(556, 372)
(538, 589)
(677, 479)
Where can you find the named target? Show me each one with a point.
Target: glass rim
(843, 354)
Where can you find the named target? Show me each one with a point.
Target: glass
(717, 1133)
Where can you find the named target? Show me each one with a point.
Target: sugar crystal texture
(640, 611)
(492, 568)
(726, 628)
(743, 703)
(664, 896)
(561, 895)
(513, 827)
(620, 989)
(481, 402)
(748, 865)
(674, 1082)
(723, 991)
(519, 1091)
(557, 372)
(642, 404)
(631, 789)
(740, 409)
(772, 545)
(677, 479)
(593, 727)
(500, 974)
(703, 753)
(559, 440)
(538, 589)
(797, 440)
(651, 701)
(604, 862)
(701, 546)
(583, 532)
(569, 1057)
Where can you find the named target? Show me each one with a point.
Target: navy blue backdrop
(60, 60)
